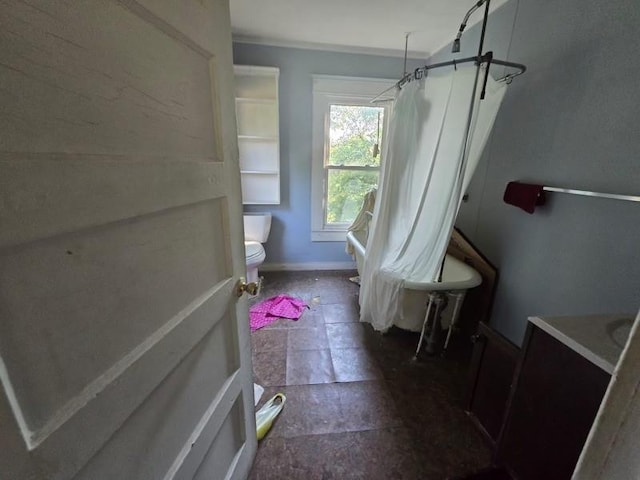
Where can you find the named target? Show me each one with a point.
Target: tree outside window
(352, 163)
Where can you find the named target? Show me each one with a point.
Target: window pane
(353, 132)
(346, 192)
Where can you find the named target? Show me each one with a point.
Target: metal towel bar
(586, 193)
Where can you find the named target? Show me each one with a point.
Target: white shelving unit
(256, 90)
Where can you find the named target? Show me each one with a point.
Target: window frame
(336, 90)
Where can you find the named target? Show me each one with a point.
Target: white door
(124, 350)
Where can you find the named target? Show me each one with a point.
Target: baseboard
(294, 267)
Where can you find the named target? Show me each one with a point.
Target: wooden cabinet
(554, 400)
(492, 367)
(554, 385)
(256, 91)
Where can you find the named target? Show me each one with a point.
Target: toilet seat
(254, 252)
(254, 256)
(256, 231)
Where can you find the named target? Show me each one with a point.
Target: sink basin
(619, 329)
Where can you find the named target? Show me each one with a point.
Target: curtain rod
(487, 58)
(420, 72)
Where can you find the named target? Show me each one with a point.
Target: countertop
(598, 338)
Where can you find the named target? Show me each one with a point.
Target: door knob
(241, 287)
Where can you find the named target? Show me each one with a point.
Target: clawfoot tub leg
(424, 324)
(440, 299)
(454, 317)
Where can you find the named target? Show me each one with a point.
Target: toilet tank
(257, 227)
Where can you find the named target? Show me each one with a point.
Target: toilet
(256, 231)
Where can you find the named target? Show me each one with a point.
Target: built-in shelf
(256, 90)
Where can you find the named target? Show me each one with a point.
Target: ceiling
(366, 26)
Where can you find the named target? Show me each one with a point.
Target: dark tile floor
(357, 405)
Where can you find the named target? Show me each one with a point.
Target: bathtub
(457, 278)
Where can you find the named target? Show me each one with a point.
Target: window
(352, 163)
(347, 150)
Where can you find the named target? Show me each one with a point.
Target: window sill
(329, 235)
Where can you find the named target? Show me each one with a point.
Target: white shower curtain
(426, 170)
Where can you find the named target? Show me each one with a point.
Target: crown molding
(327, 47)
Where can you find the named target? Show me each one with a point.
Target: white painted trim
(33, 438)
(221, 405)
(307, 266)
(327, 47)
(329, 235)
(350, 87)
(256, 70)
(10, 393)
(233, 473)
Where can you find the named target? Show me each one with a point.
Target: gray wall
(572, 121)
(290, 239)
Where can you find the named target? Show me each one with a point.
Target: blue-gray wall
(290, 239)
(573, 120)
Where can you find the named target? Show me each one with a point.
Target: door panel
(94, 77)
(45, 334)
(124, 352)
(165, 421)
(49, 194)
(225, 447)
(203, 454)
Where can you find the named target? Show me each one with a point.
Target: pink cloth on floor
(271, 309)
